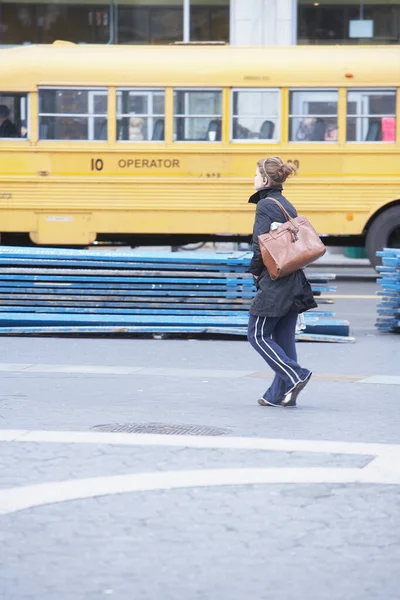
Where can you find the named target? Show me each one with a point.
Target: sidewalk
(221, 498)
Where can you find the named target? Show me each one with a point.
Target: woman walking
(275, 309)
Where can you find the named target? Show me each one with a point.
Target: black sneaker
(290, 399)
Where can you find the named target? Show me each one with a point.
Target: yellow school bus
(159, 144)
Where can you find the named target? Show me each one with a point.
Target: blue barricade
(388, 318)
(45, 290)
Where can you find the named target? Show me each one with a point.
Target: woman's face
(259, 183)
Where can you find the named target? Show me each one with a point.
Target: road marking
(119, 370)
(93, 369)
(384, 468)
(188, 441)
(185, 373)
(382, 380)
(14, 367)
(30, 496)
(171, 372)
(353, 296)
(333, 377)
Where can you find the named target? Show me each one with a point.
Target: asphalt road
(283, 504)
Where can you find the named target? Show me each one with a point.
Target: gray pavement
(87, 515)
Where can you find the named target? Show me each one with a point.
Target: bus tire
(383, 233)
(15, 239)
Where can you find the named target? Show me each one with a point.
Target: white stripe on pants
(286, 368)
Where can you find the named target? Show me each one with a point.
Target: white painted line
(20, 498)
(86, 369)
(228, 374)
(171, 372)
(14, 367)
(384, 469)
(210, 442)
(382, 380)
(116, 370)
(354, 296)
(13, 435)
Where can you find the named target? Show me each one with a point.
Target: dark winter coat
(8, 129)
(275, 298)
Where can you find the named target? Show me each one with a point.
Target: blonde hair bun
(274, 171)
(288, 169)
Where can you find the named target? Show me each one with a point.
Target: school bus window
(140, 115)
(73, 114)
(313, 116)
(198, 115)
(371, 115)
(256, 115)
(13, 115)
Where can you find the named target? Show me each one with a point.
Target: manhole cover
(161, 428)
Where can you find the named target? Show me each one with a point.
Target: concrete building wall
(263, 22)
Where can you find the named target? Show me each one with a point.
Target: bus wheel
(383, 233)
(15, 239)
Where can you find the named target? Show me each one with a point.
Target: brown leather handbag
(291, 246)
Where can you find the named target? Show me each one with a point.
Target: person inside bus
(311, 130)
(331, 134)
(267, 130)
(136, 127)
(277, 304)
(7, 127)
(24, 129)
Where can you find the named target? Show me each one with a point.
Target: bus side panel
(68, 197)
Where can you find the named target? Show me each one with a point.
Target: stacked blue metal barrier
(54, 291)
(389, 307)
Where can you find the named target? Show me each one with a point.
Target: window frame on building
(371, 116)
(21, 96)
(278, 117)
(214, 117)
(152, 118)
(320, 24)
(316, 116)
(90, 116)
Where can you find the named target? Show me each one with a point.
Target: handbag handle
(286, 214)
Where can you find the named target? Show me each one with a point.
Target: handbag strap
(285, 212)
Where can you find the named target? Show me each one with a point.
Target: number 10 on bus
(96, 164)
